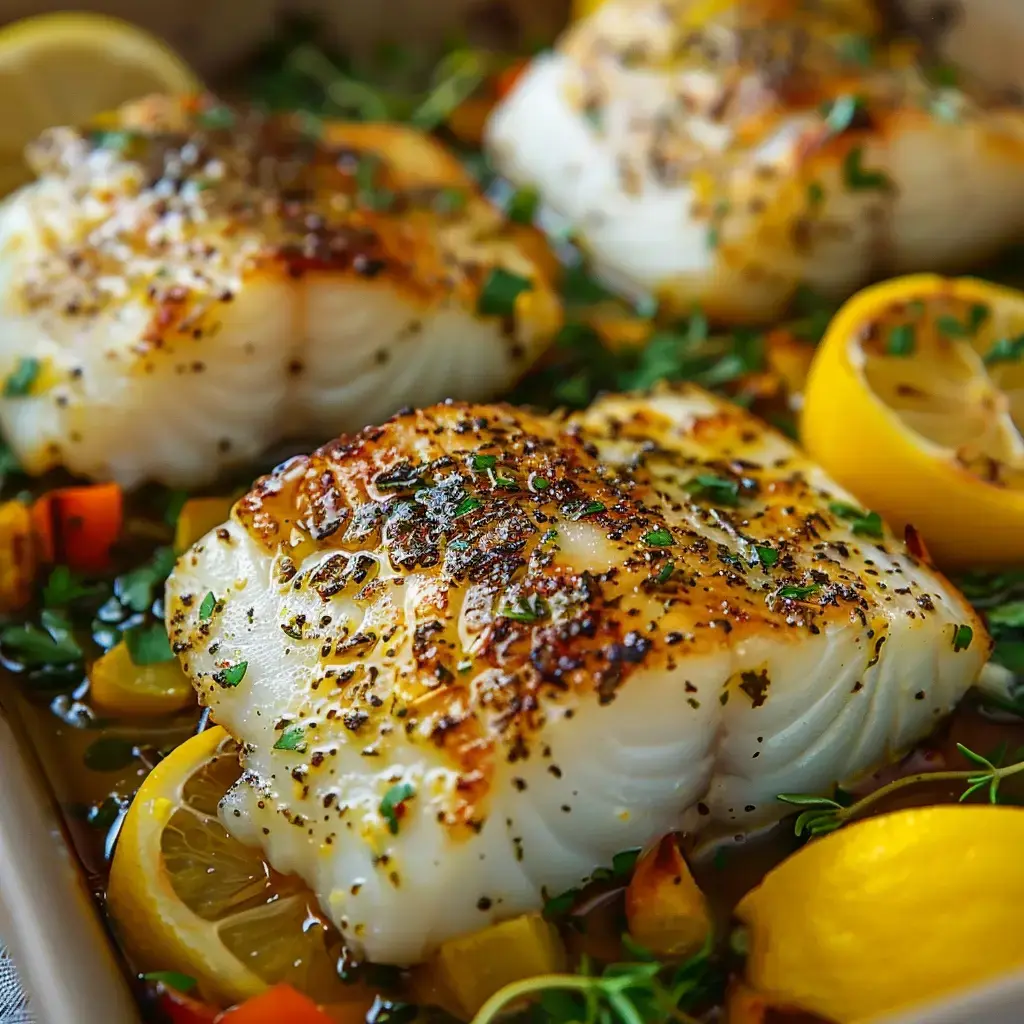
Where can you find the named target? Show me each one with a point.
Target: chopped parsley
(148, 645)
(392, 805)
(450, 201)
(500, 291)
(172, 979)
(901, 341)
(766, 556)
(216, 117)
(540, 483)
(206, 609)
(867, 524)
(135, 589)
(522, 207)
(962, 637)
(484, 461)
(582, 509)
(52, 644)
(717, 489)
(815, 194)
(954, 328)
(531, 608)
(232, 675)
(797, 593)
(860, 179)
(466, 506)
(660, 538)
(1005, 350)
(665, 573)
(25, 374)
(65, 587)
(293, 738)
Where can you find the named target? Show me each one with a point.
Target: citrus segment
(915, 402)
(889, 913)
(65, 68)
(185, 896)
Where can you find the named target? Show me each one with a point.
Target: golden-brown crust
(183, 201)
(539, 564)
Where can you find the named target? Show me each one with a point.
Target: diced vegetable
(179, 1008)
(466, 972)
(277, 1005)
(665, 910)
(198, 517)
(119, 685)
(17, 556)
(78, 526)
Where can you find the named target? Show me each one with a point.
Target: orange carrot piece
(77, 526)
(275, 1006)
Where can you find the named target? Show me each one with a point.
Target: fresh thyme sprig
(643, 991)
(821, 815)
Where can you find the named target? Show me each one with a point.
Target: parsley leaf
(797, 593)
(867, 524)
(962, 637)
(466, 506)
(22, 377)
(522, 207)
(766, 556)
(135, 589)
(206, 609)
(293, 738)
(172, 979)
(901, 340)
(716, 489)
(659, 538)
(232, 675)
(500, 291)
(391, 806)
(1005, 350)
(531, 608)
(64, 587)
(858, 178)
(148, 645)
(52, 644)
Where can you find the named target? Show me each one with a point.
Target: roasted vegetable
(78, 526)
(17, 556)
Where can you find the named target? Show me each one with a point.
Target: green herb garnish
(531, 608)
(867, 524)
(954, 328)
(1005, 350)
(901, 340)
(148, 645)
(798, 593)
(484, 461)
(391, 806)
(172, 979)
(766, 556)
(21, 379)
(857, 178)
(716, 489)
(50, 644)
(293, 738)
(665, 573)
(962, 637)
(136, 589)
(206, 609)
(466, 506)
(582, 509)
(64, 587)
(232, 675)
(522, 207)
(659, 538)
(499, 292)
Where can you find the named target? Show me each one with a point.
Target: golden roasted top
(178, 201)
(466, 574)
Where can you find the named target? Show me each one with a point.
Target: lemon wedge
(889, 913)
(118, 685)
(185, 896)
(915, 402)
(66, 68)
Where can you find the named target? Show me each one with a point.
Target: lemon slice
(65, 68)
(915, 402)
(889, 913)
(185, 896)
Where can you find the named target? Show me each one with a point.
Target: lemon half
(66, 68)
(915, 403)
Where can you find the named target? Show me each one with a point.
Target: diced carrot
(275, 1006)
(506, 79)
(77, 526)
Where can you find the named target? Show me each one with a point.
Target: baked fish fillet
(726, 153)
(473, 653)
(188, 284)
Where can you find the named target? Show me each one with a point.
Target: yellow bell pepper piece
(665, 910)
(466, 972)
(118, 685)
(17, 556)
(198, 517)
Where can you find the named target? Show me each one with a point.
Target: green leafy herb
(716, 489)
(1005, 350)
(174, 502)
(1007, 616)
(659, 538)
(116, 141)
(391, 806)
(901, 340)
(499, 292)
(815, 194)
(665, 573)
(531, 608)
(857, 49)
(954, 328)
(64, 587)
(484, 461)
(232, 675)
(448, 201)
(50, 644)
(293, 738)
(766, 556)
(206, 609)
(859, 179)
(821, 815)
(962, 637)
(466, 506)
(216, 117)
(522, 207)
(136, 589)
(109, 754)
(148, 645)
(868, 524)
(172, 979)
(797, 593)
(21, 379)
(540, 483)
